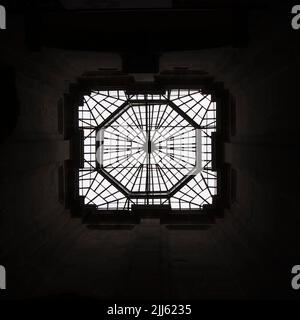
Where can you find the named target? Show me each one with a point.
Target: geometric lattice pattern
(147, 149)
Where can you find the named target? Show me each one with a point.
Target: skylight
(147, 149)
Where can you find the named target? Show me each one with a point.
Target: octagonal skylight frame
(102, 108)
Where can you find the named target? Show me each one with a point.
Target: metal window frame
(76, 203)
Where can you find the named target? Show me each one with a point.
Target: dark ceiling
(16, 5)
(140, 34)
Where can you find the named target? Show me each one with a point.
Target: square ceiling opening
(147, 149)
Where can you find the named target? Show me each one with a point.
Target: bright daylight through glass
(148, 149)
